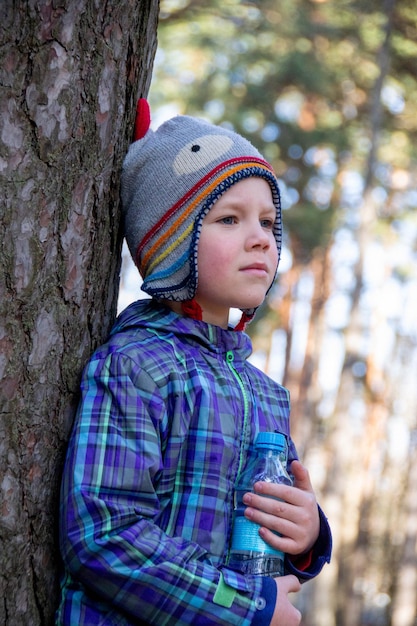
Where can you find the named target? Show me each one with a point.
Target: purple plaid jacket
(169, 411)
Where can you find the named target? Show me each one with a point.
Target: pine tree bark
(71, 71)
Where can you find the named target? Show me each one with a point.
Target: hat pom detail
(143, 119)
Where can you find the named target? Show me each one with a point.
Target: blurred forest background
(327, 90)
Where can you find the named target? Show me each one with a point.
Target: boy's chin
(251, 303)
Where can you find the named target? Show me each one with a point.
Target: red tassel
(143, 119)
(243, 321)
(191, 308)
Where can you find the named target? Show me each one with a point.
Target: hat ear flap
(143, 119)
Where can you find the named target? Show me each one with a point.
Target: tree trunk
(71, 71)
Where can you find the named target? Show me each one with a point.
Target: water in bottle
(249, 553)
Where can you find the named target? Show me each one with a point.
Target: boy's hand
(293, 512)
(285, 614)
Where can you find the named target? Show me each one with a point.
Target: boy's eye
(267, 223)
(228, 220)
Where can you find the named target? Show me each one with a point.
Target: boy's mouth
(260, 268)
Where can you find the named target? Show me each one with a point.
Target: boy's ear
(143, 119)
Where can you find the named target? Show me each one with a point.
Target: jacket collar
(155, 317)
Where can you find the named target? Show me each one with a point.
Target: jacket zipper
(245, 426)
(230, 357)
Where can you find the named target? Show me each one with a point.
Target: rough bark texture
(71, 71)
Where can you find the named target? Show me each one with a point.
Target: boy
(170, 406)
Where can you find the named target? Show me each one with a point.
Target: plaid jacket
(169, 411)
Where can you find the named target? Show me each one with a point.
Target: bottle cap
(271, 441)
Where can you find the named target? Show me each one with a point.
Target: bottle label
(246, 538)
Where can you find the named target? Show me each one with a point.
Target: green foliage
(324, 89)
(309, 228)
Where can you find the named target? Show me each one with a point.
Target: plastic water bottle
(249, 553)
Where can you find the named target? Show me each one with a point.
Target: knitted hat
(171, 178)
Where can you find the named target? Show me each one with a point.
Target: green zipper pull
(230, 357)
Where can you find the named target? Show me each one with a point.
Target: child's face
(237, 251)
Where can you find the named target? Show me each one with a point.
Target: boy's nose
(259, 237)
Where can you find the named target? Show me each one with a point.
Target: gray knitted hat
(170, 180)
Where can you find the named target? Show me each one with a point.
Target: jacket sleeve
(110, 540)
(310, 565)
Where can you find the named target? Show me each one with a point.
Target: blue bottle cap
(271, 441)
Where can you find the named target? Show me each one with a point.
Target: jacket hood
(154, 317)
